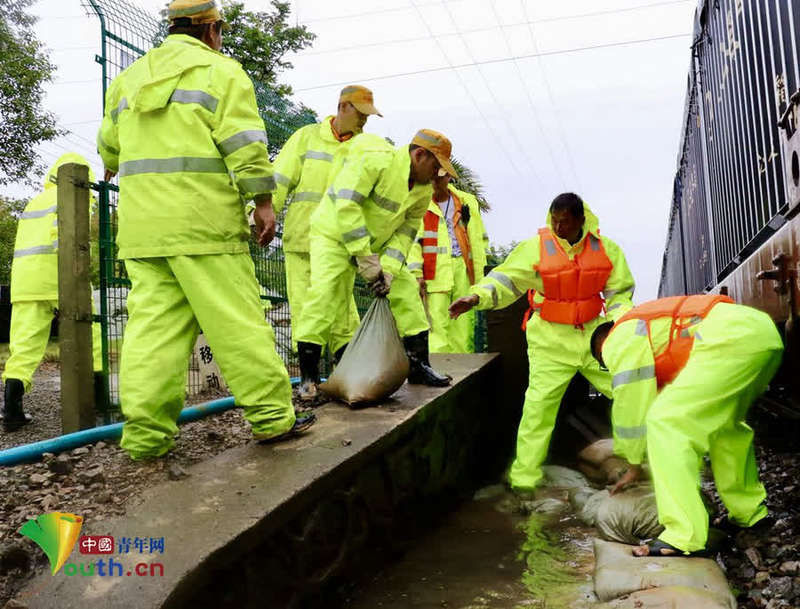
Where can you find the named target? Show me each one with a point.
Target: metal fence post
(74, 299)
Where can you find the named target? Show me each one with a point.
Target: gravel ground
(100, 481)
(95, 481)
(764, 566)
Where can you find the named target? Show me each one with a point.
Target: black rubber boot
(421, 372)
(309, 355)
(100, 393)
(13, 416)
(337, 357)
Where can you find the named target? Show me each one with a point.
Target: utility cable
(550, 97)
(496, 139)
(503, 60)
(496, 102)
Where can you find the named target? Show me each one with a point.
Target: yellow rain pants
(171, 299)
(298, 281)
(452, 335)
(555, 353)
(331, 294)
(30, 329)
(703, 411)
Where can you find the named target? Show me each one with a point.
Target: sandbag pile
(375, 363)
(598, 462)
(627, 517)
(657, 582)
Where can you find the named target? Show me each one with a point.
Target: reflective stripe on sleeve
(101, 144)
(630, 433)
(350, 195)
(632, 376)
(314, 197)
(39, 213)
(257, 185)
(407, 231)
(396, 254)
(33, 251)
(281, 179)
(493, 290)
(505, 280)
(123, 104)
(387, 204)
(355, 234)
(186, 96)
(242, 139)
(318, 155)
(616, 306)
(173, 165)
(414, 266)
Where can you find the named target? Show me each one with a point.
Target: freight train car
(734, 224)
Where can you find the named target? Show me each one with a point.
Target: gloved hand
(382, 285)
(369, 267)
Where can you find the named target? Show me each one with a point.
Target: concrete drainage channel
(295, 524)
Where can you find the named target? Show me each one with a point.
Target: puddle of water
(485, 557)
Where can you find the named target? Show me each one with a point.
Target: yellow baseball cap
(360, 97)
(438, 145)
(199, 11)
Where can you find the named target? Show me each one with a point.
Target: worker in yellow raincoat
(34, 298)
(366, 223)
(448, 257)
(182, 128)
(685, 371)
(302, 170)
(573, 273)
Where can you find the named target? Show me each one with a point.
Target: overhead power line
(526, 22)
(400, 9)
(496, 139)
(502, 60)
(550, 97)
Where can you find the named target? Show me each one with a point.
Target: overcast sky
(538, 97)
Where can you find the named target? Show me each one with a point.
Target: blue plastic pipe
(34, 451)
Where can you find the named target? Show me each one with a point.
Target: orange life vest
(680, 308)
(571, 287)
(430, 244)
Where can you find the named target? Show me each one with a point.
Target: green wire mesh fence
(127, 33)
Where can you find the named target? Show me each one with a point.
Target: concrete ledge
(285, 525)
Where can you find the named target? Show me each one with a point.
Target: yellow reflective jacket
(629, 355)
(516, 275)
(302, 169)
(182, 128)
(478, 239)
(368, 205)
(34, 269)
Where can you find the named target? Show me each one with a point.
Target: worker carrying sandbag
(685, 371)
(374, 364)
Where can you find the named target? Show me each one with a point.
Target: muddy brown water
(488, 555)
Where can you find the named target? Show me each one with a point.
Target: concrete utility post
(74, 299)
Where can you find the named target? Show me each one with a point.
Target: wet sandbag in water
(618, 573)
(627, 517)
(670, 597)
(375, 363)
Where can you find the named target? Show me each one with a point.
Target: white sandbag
(629, 516)
(597, 452)
(671, 597)
(375, 363)
(618, 573)
(563, 477)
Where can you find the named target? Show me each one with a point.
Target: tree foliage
(497, 254)
(10, 210)
(24, 68)
(260, 41)
(468, 181)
